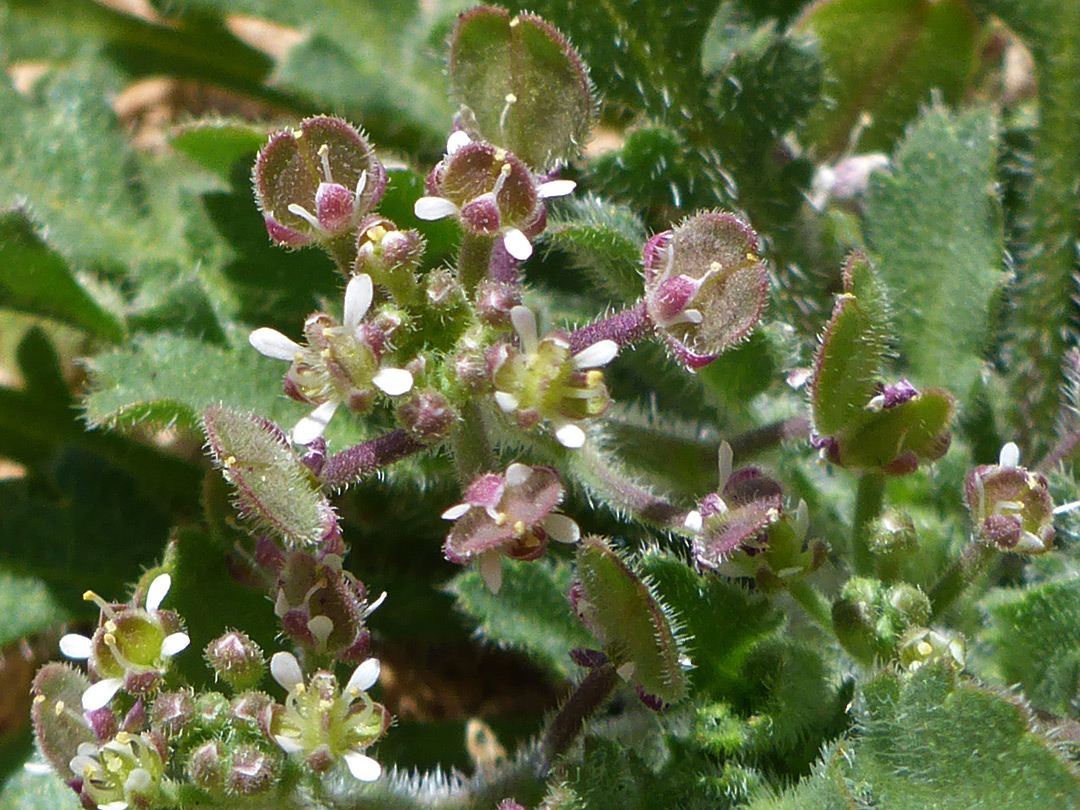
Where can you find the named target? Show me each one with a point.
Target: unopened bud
(251, 770)
(205, 767)
(236, 659)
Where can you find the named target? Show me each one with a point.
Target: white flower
(81, 648)
(391, 381)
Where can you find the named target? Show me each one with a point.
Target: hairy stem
(503, 267)
(474, 258)
(471, 445)
(603, 474)
(811, 600)
(972, 561)
(768, 436)
(588, 696)
(868, 501)
(348, 466)
(625, 328)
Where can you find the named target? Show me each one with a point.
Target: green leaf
(852, 350)
(883, 58)
(525, 84)
(219, 144)
(1035, 642)
(874, 439)
(530, 613)
(34, 791)
(602, 238)
(723, 622)
(932, 739)
(935, 224)
(35, 279)
(26, 606)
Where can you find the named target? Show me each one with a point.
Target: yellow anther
(123, 737)
(376, 233)
(511, 98)
(501, 518)
(500, 155)
(110, 639)
(40, 699)
(230, 460)
(324, 150)
(594, 377)
(110, 627)
(60, 706)
(519, 528)
(89, 596)
(715, 267)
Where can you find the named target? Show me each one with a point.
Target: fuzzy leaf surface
(935, 225)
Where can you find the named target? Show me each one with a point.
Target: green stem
(474, 258)
(868, 501)
(471, 445)
(813, 601)
(972, 561)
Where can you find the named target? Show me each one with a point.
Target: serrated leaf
(530, 613)
(635, 628)
(852, 350)
(35, 279)
(525, 84)
(723, 622)
(932, 739)
(883, 58)
(1036, 643)
(935, 224)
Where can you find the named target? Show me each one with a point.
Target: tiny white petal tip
(507, 402)
(358, 295)
(457, 139)
(1010, 455)
(314, 424)
(285, 669)
(562, 528)
(517, 244)
(174, 643)
(393, 381)
(693, 521)
(456, 511)
(362, 767)
(570, 436)
(290, 745)
(491, 570)
(375, 605)
(76, 647)
(100, 693)
(433, 208)
(556, 188)
(599, 354)
(517, 474)
(524, 322)
(157, 592)
(364, 676)
(271, 343)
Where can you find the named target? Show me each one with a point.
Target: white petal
(38, 768)
(119, 804)
(507, 402)
(1010, 455)
(321, 627)
(432, 208)
(100, 694)
(517, 244)
(271, 343)
(1058, 510)
(491, 569)
(290, 745)
(285, 669)
(312, 426)
(358, 295)
(456, 511)
(556, 188)
(375, 605)
(562, 528)
(157, 591)
(693, 521)
(76, 647)
(363, 677)
(517, 474)
(457, 139)
(802, 520)
(304, 214)
(174, 643)
(138, 781)
(361, 184)
(525, 325)
(626, 671)
(363, 767)
(725, 458)
(692, 316)
(393, 381)
(570, 436)
(599, 354)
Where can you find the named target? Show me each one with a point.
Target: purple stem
(588, 696)
(625, 328)
(342, 469)
(503, 267)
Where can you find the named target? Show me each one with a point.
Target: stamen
(304, 214)
(324, 155)
(500, 181)
(90, 596)
(511, 100)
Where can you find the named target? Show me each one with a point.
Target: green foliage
(935, 226)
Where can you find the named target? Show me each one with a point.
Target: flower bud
(389, 256)
(172, 711)
(921, 645)
(206, 767)
(236, 659)
(316, 182)
(1010, 506)
(871, 618)
(248, 708)
(251, 770)
(892, 533)
(427, 415)
(705, 286)
(494, 300)
(211, 711)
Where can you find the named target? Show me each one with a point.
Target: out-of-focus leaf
(883, 59)
(27, 790)
(26, 606)
(219, 144)
(935, 226)
(530, 613)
